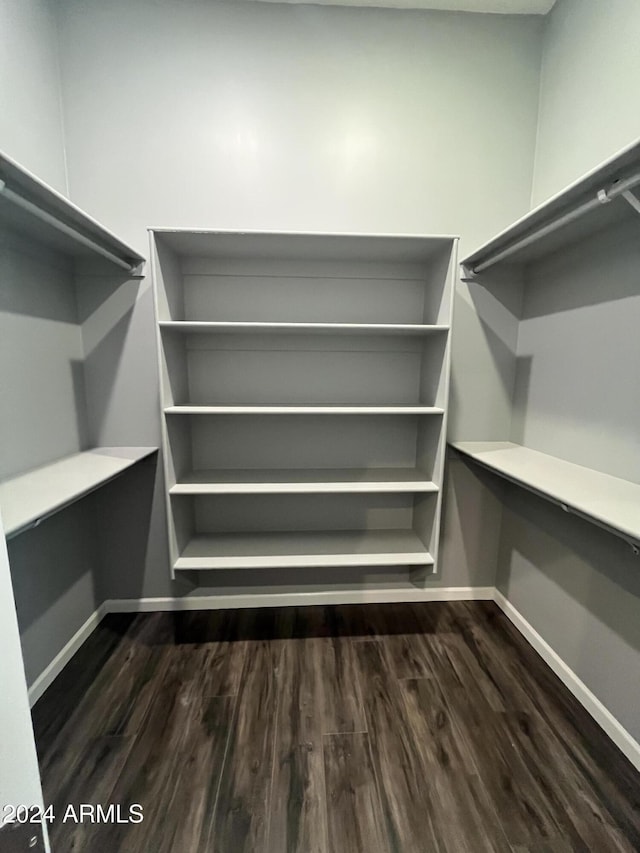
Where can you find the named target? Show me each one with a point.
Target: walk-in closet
(320, 426)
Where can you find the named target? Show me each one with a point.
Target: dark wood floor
(399, 728)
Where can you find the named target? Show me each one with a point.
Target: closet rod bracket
(468, 273)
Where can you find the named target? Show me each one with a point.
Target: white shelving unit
(270, 345)
(608, 501)
(40, 214)
(28, 499)
(574, 400)
(43, 240)
(596, 201)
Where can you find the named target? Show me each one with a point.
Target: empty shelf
(304, 481)
(608, 501)
(193, 327)
(303, 410)
(304, 549)
(29, 498)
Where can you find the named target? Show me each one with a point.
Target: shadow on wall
(485, 331)
(124, 530)
(105, 309)
(54, 571)
(472, 506)
(595, 569)
(582, 270)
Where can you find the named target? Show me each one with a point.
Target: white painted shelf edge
(303, 410)
(31, 497)
(303, 481)
(602, 184)
(238, 327)
(45, 213)
(610, 502)
(304, 549)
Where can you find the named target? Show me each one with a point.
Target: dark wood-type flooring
(352, 729)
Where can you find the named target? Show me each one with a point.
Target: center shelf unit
(304, 384)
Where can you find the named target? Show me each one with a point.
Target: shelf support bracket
(629, 197)
(467, 273)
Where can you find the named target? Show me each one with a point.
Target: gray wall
(30, 111)
(576, 398)
(276, 117)
(589, 91)
(578, 355)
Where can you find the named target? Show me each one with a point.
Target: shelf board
(534, 224)
(303, 481)
(304, 549)
(34, 209)
(303, 410)
(608, 501)
(190, 327)
(305, 246)
(29, 498)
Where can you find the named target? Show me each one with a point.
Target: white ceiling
(504, 7)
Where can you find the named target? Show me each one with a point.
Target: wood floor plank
(354, 809)
(590, 825)
(400, 772)
(151, 769)
(298, 809)
(526, 814)
(200, 759)
(433, 726)
(91, 780)
(240, 819)
(319, 694)
(409, 655)
(462, 814)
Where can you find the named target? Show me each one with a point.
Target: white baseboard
(605, 719)
(65, 654)
(292, 599)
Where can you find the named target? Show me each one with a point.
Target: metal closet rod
(603, 196)
(12, 196)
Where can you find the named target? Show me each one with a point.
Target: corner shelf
(35, 210)
(29, 498)
(306, 549)
(303, 481)
(609, 502)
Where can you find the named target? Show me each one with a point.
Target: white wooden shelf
(29, 498)
(588, 205)
(228, 328)
(32, 208)
(303, 410)
(303, 481)
(304, 549)
(608, 501)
